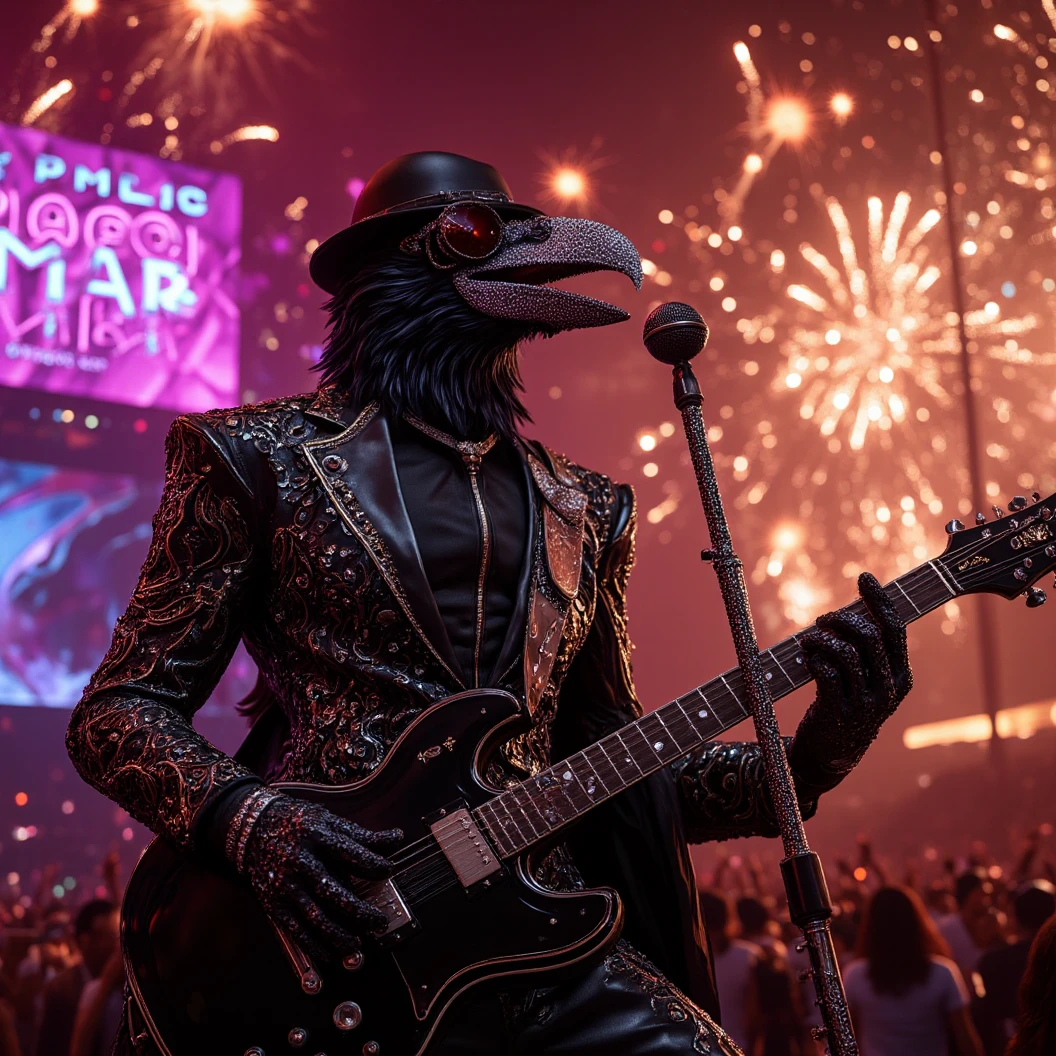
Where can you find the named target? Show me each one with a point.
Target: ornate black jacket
(282, 524)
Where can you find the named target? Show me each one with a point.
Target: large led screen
(71, 545)
(117, 274)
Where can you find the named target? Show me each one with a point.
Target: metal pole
(808, 896)
(987, 628)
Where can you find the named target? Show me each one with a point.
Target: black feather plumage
(400, 334)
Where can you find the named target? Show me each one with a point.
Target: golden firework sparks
(205, 51)
(267, 133)
(46, 101)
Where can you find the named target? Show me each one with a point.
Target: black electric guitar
(213, 975)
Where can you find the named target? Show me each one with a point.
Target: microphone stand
(805, 887)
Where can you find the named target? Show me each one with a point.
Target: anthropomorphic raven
(392, 539)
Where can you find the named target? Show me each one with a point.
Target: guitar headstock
(1007, 555)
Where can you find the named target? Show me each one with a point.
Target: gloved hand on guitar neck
(860, 663)
(301, 861)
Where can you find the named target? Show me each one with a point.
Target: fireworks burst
(876, 347)
(69, 19)
(772, 121)
(836, 346)
(199, 53)
(867, 375)
(191, 63)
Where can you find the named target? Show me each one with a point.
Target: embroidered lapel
(357, 469)
(564, 519)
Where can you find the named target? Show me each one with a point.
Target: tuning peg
(998, 512)
(980, 518)
(1035, 597)
(1017, 502)
(1036, 496)
(954, 526)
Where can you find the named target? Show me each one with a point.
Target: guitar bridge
(464, 846)
(385, 896)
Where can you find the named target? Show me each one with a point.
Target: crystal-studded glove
(860, 663)
(302, 862)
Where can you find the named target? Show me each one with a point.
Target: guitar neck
(535, 809)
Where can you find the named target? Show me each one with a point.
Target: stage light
(788, 119)
(753, 164)
(84, 8)
(568, 184)
(1020, 722)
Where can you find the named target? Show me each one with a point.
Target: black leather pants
(621, 1007)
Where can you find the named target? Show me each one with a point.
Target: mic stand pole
(805, 888)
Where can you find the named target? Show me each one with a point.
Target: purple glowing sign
(117, 274)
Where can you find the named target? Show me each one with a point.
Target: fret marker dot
(769, 675)
(703, 713)
(658, 745)
(567, 775)
(799, 659)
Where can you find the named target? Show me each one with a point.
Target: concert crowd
(953, 954)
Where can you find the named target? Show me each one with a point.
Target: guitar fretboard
(538, 807)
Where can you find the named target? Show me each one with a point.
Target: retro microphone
(674, 333)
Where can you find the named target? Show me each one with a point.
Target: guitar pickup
(465, 847)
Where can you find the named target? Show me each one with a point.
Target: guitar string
(414, 861)
(424, 851)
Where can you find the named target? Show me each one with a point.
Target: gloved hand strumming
(301, 860)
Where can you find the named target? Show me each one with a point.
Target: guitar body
(212, 974)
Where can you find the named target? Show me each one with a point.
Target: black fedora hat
(403, 196)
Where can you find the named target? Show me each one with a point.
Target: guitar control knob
(353, 962)
(311, 982)
(297, 1037)
(1035, 597)
(372, 1048)
(954, 526)
(255, 1051)
(348, 1015)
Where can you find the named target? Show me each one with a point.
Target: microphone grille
(674, 332)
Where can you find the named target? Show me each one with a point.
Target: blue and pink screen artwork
(72, 542)
(118, 274)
